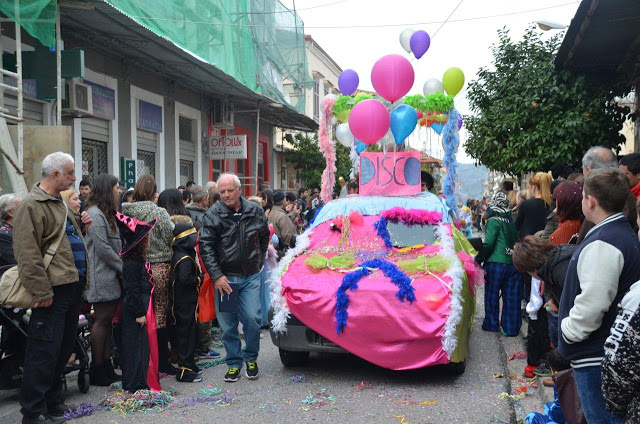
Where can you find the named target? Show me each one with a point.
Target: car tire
(293, 359)
(458, 368)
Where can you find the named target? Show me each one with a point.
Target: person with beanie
(502, 279)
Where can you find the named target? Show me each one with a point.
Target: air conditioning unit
(78, 99)
(222, 117)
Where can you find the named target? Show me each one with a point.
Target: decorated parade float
(385, 275)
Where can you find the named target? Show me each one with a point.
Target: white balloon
(334, 120)
(344, 135)
(331, 96)
(405, 39)
(432, 86)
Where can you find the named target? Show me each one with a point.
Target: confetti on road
(296, 379)
(363, 385)
(320, 399)
(210, 391)
(210, 364)
(517, 355)
(498, 375)
(402, 419)
(83, 410)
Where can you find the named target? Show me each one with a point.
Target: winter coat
(234, 248)
(103, 246)
(500, 236)
(38, 222)
(136, 286)
(184, 274)
(554, 271)
(6, 245)
(196, 212)
(551, 225)
(621, 364)
(532, 217)
(282, 224)
(161, 235)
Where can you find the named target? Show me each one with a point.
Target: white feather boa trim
(456, 273)
(278, 301)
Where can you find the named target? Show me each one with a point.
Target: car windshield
(402, 235)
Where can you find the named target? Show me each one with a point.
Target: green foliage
(528, 115)
(438, 102)
(309, 163)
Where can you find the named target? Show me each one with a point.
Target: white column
(198, 174)
(134, 128)
(77, 147)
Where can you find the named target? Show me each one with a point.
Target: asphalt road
(361, 392)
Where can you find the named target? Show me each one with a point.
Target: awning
(604, 37)
(101, 27)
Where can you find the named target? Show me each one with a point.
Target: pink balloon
(392, 77)
(369, 121)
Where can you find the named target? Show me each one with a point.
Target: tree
(528, 115)
(306, 158)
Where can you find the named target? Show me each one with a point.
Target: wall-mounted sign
(29, 86)
(390, 174)
(128, 172)
(104, 101)
(149, 116)
(228, 147)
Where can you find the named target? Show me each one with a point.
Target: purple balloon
(420, 42)
(348, 82)
(459, 123)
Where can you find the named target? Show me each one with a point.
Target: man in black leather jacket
(233, 244)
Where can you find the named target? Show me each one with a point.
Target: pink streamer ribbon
(153, 376)
(328, 149)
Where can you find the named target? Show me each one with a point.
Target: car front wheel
(293, 359)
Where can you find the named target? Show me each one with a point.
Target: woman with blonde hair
(533, 212)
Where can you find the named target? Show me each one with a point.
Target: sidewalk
(526, 395)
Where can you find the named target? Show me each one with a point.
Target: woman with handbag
(103, 246)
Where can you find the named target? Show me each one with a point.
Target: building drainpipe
(58, 71)
(257, 149)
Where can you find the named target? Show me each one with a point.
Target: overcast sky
(460, 42)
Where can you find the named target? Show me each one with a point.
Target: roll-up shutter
(32, 110)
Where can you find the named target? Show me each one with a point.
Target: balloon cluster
(366, 120)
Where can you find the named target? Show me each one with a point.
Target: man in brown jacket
(282, 224)
(57, 291)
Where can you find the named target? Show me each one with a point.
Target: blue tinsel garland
(450, 142)
(350, 282)
(383, 233)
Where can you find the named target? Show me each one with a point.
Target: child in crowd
(184, 286)
(140, 346)
(552, 410)
(502, 277)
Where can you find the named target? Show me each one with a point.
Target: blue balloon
(403, 121)
(437, 127)
(360, 146)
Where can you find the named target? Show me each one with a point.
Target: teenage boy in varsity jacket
(601, 271)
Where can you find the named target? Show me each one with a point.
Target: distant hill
(472, 179)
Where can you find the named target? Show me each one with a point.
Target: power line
(448, 17)
(218, 24)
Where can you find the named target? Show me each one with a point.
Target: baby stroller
(13, 342)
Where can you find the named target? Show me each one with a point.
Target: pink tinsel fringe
(412, 216)
(328, 150)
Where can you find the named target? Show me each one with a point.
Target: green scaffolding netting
(260, 43)
(37, 17)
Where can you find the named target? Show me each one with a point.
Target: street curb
(545, 395)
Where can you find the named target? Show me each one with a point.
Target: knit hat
(499, 203)
(278, 196)
(132, 230)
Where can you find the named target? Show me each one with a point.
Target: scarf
(636, 191)
(498, 208)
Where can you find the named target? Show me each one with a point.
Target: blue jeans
(265, 295)
(589, 384)
(249, 314)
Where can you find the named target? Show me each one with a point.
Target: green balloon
(453, 81)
